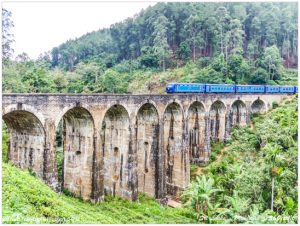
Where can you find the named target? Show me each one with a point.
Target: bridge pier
(97, 188)
(227, 123)
(207, 146)
(162, 191)
(122, 144)
(49, 164)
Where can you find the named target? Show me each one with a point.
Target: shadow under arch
(217, 121)
(175, 158)
(147, 124)
(25, 108)
(196, 131)
(238, 114)
(116, 151)
(78, 149)
(258, 106)
(26, 141)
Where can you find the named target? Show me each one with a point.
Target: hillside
(243, 43)
(168, 34)
(26, 199)
(235, 188)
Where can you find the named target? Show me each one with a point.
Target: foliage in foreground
(27, 199)
(238, 189)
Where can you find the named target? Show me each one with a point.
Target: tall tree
(161, 46)
(193, 26)
(7, 36)
(236, 37)
(223, 27)
(272, 61)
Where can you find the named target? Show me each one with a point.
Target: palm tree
(272, 153)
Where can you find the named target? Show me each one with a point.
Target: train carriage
(219, 88)
(287, 89)
(272, 89)
(226, 88)
(250, 89)
(185, 88)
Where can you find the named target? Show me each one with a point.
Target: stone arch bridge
(123, 144)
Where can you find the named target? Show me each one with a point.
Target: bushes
(193, 171)
(217, 147)
(275, 105)
(27, 199)
(213, 157)
(5, 141)
(243, 174)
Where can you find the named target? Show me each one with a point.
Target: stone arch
(27, 140)
(115, 135)
(147, 124)
(238, 114)
(27, 108)
(78, 148)
(151, 102)
(217, 114)
(196, 131)
(170, 102)
(175, 164)
(258, 106)
(61, 114)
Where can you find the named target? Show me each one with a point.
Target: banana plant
(201, 194)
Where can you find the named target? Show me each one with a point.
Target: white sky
(40, 26)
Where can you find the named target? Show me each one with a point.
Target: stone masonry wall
(123, 144)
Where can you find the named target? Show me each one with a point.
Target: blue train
(225, 88)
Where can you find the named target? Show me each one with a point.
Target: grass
(26, 199)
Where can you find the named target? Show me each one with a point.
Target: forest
(244, 43)
(251, 179)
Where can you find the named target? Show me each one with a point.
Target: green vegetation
(256, 179)
(217, 147)
(193, 171)
(253, 181)
(260, 163)
(246, 43)
(59, 161)
(5, 140)
(26, 199)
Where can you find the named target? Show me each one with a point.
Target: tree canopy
(242, 43)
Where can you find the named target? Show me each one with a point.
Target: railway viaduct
(123, 144)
